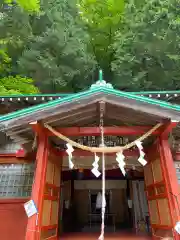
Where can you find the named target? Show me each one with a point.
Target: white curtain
(139, 201)
(99, 201)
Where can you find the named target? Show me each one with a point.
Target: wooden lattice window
(16, 180)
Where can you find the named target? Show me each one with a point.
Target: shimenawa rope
(102, 149)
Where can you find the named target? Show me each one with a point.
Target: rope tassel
(103, 210)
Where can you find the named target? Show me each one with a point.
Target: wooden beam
(7, 155)
(95, 131)
(37, 127)
(14, 200)
(32, 231)
(13, 160)
(167, 128)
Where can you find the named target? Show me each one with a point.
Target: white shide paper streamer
(95, 165)
(121, 163)
(69, 151)
(142, 154)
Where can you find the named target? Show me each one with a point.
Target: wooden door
(67, 206)
(81, 198)
(158, 194)
(48, 216)
(118, 199)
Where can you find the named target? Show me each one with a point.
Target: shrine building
(55, 150)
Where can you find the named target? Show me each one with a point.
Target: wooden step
(112, 236)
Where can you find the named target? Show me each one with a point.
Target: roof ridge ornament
(101, 83)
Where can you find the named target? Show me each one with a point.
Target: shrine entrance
(120, 215)
(148, 190)
(69, 200)
(80, 191)
(57, 129)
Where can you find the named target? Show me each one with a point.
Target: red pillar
(170, 177)
(32, 232)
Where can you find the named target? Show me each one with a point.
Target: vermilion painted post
(33, 230)
(170, 176)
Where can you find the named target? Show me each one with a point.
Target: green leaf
(13, 85)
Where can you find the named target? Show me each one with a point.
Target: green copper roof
(37, 95)
(70, 94)
(92, 91)
(156, 92)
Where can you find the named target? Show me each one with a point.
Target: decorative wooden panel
(164, 211)
(153, 210)
(148, 175)
(49, 215)
(158, 193)
(47, 234)
(156, 169)
(46, 212)
(54, 212)
(57, 174)
(50, 172)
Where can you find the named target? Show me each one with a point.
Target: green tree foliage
(28, 5)
(147, 46)
(17, 85)
(57, 55)
(103, 19)
(61, 47)
(5, 60)
(14, 30)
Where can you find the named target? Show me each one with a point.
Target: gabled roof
(93, 91)
(122, 106)
(75, 97)
(34, 99)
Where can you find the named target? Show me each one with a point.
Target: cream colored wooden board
(57, 175)
(157, 172)
(164, 212)
(153, 212)
(48, 234)
(148, 175)
(50, 172)
(54, 213)
(46, 212)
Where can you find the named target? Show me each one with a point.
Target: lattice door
(48, 219)
(158, 195)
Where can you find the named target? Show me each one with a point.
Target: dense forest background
(59, 45)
